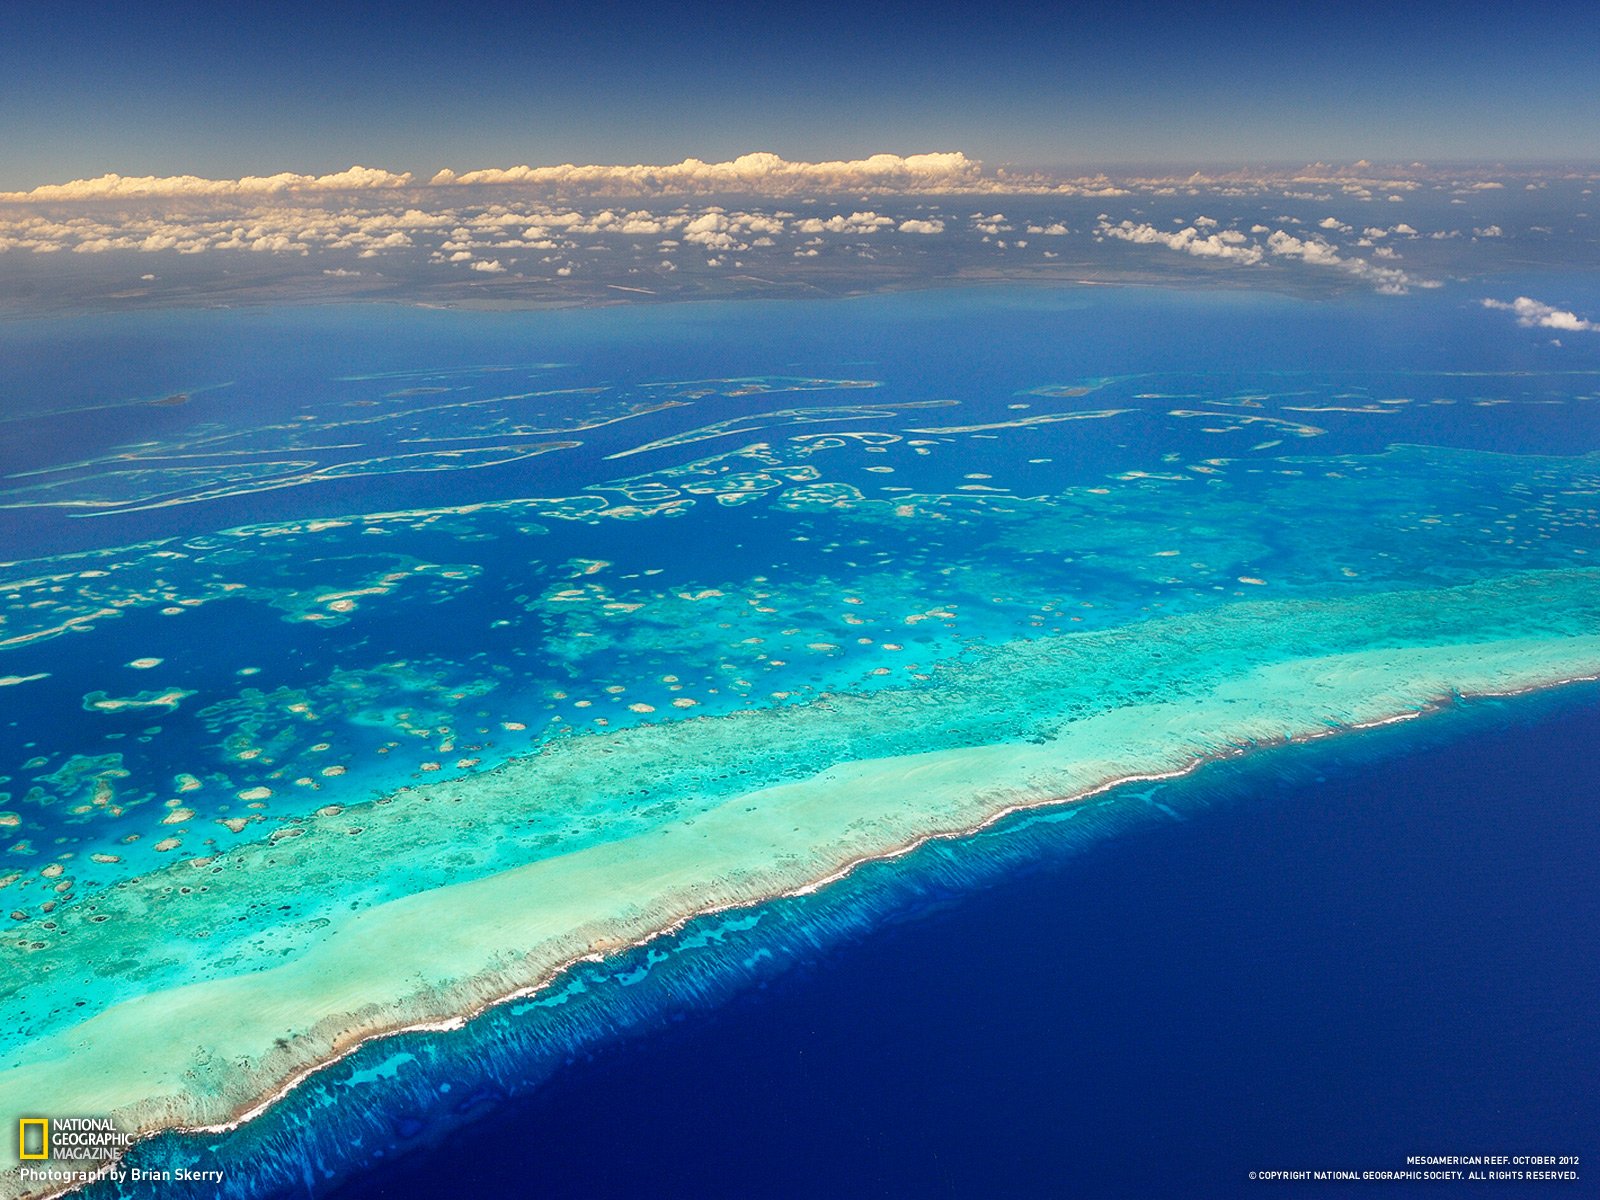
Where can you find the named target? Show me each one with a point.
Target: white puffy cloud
(756, 223)
(1230, 244)
(360, 214)
(489, 266)
(123, 187)
(1390, 280)
(856, 222)
(711, 231)
(1313, 250)
(1188, 240)
(1536, 314)
(640, 224)
(763, 173)
(718, 229)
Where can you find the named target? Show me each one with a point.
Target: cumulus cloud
(762, 172)
(716, 229)
(1390, 280)
(710, 230)
(856, 222)
(125, 187)
(1537, 315)
(991, 224)
(1312, 250)
(1228, 245)
(413, 227)
(1231, 245)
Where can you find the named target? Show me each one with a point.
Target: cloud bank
(767, 174)
(756, 222)
(761, 173)
(140, 187)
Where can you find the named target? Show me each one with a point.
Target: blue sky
(155, 88)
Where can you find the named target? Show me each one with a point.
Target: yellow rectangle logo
(24, 1126)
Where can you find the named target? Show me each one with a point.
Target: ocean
(1339, 957)
(313, 612)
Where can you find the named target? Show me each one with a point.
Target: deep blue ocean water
(1369, 953)
(333, 385)
(1254, 969)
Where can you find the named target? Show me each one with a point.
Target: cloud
(1389, 280)
(125, 187)
(1312, 250)
(715, 228)
(1231, 245)
(762, 173)
(711, 231)
(768, 174)
(1537, 315)
(856, 222)
(1188, 240)
(411, 228)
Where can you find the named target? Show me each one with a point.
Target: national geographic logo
(33, 1138)
(73, 1139)
(82, 1150)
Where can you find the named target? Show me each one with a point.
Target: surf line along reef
(153, 1003)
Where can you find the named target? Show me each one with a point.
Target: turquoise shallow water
(186, 523)
(1157, 986)
(261, 565)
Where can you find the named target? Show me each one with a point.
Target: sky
(227, 90)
